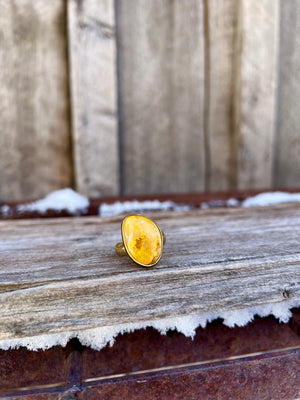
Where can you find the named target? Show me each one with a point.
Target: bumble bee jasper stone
(142, 239)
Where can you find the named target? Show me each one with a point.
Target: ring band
(143, 240)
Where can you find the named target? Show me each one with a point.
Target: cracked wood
(62, 274)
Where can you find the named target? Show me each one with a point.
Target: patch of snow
(5, 211)
(269, 198)
(108, 210)
(233, 202)
(213, 204)
(220, 203)
(64, 199)
(262, 199)
(204, 206)
(97, 338)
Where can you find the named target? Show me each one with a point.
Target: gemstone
(142, 240)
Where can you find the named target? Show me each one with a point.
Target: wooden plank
(92, 48)
(63, 275)
(257, 86)
(287, 150)
(161, 77)
(220, 60)
(34, 142)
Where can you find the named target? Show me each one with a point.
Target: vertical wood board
(221, 152)
(161, 78)
(34, 142)
(258, 80)
(287, 149)
(92, 46)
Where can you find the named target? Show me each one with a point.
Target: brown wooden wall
(139, 96)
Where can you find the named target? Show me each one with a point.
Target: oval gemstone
(142, 239)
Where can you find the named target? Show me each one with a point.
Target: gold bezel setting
(122, 249)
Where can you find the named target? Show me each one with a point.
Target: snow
(67, 199)
(5, 211)
(269, 198)
(64, 199)
(108, 210)
(215, 204)
(233, 202)
(262, 199)
(97, 338)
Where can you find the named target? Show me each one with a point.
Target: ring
(143, 240)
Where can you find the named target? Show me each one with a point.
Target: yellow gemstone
(142, 239)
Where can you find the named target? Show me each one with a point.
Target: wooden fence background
(148, 96)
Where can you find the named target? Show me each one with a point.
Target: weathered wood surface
(92, 49)
(257, 86)
(63, 275)
(35, 154)
(287, 160)
(161, 78)
(221, 27)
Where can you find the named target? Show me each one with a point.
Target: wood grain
(258, 80)
(287, 149)
(161, 78)
(62, 274)
(221, 53)
(92, 48)
(35, 155)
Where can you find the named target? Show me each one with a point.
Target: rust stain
(145, 363)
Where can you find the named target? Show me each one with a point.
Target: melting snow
(269, 198)
(108, 210)
(64, 199)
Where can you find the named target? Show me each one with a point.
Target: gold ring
(143, 240)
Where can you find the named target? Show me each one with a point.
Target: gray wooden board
(35, 150)
(161, 78)
(92, 49)
(258, 82)
(220, 78)
(62, 274)
(287, 148)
